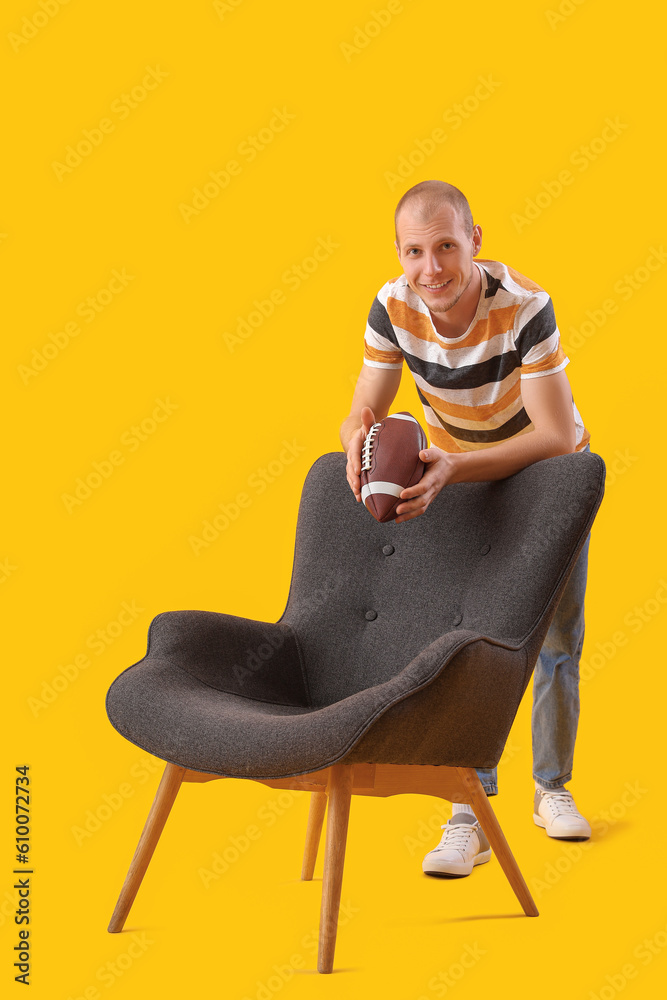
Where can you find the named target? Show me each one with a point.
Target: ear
(397, 249)
(476, 239)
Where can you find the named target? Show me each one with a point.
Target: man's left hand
(439, 471)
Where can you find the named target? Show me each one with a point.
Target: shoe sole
(458, 871)
(538, 821)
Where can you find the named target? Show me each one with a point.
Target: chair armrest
(252, 659)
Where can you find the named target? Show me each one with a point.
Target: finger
(412, 505)
(415, 491)
(408, 517)
(367, 419)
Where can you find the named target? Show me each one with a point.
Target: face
(436, 257)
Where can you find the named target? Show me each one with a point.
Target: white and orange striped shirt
(470, 386)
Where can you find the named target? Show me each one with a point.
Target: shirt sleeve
(381, 348)
(537, 338)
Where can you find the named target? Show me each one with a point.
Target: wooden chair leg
(491, 827)
(339, 791)
(157, 817)
(318, 805)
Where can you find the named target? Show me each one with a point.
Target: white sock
(462, 807)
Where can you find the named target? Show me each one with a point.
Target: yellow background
(360, 101)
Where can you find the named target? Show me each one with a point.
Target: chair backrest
(365, 598)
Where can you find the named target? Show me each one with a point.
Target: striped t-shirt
(470, 386)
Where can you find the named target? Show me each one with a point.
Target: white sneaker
(463, 845)
(556, 812)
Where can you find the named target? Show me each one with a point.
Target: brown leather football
(390, 463)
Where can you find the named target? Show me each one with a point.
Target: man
(482, 344)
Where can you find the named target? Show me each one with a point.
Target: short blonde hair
(432, 195)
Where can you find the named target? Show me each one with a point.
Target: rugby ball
(390, 463)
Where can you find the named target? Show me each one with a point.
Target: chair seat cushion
(162, 708)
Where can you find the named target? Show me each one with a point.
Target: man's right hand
(353, 469)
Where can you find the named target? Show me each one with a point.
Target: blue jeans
(556, 689)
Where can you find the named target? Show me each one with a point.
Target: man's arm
(374, 393)
(548, 403)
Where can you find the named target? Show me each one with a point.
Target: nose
(431, 265)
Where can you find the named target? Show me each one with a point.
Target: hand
(353, 468)
(439, 471)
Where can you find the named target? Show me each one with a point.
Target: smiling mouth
(435, 288)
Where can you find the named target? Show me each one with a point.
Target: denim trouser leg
(556, 688)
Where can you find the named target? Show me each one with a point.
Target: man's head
(436, 241)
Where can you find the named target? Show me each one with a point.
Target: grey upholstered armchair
(400, 645)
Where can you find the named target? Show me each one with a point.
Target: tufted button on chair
(397, 666)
